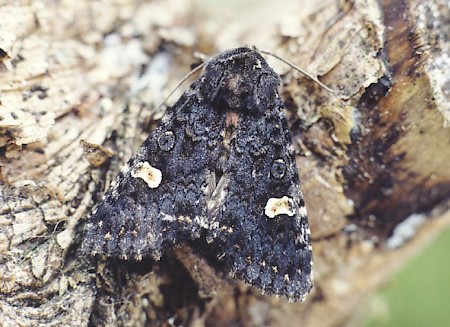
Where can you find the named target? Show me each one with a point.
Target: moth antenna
(192, 72)
(179, 178)
(299, 70)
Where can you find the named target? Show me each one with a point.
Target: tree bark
(80, 83)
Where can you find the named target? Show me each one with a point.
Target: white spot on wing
(302, 211)
(125, 169)
(151, 175)
(279, 206)
(166, 217)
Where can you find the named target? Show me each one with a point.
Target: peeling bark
(372, 158)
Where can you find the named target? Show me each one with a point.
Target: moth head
(240, 80)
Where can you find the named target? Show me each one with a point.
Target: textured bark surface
(80, 82)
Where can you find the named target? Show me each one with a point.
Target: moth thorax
(248, 92)
(237, 91)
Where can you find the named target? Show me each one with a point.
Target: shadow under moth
(218, 173)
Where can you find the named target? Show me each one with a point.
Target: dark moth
(218, 173)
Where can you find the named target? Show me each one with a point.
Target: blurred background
(418, 295)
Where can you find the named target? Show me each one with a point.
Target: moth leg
(209, 281)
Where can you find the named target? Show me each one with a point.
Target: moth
(218, 174)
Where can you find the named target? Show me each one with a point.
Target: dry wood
(373, 159)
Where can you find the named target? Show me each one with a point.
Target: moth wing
(158, 198)
(262, 227)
